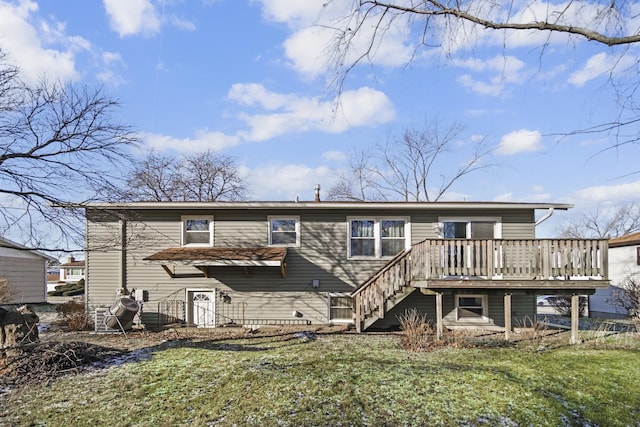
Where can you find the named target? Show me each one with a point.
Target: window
(197, 231)
(340, 308)
(74, 271)
(638, 256)
(284, 231)
(471, 307)
(378, 237)
(471, 228)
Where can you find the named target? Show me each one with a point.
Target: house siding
(623, 265)
(260, 292)
(26, 274)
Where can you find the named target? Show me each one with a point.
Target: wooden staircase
(383, 291)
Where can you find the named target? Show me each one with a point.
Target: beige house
(464, 264)
(25, 272)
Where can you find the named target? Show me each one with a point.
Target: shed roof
(220, 256)
(6, 243)
(204, 257)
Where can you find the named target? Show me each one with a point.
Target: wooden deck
(544, 264)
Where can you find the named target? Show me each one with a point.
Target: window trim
(331, 295)
(183, 233)
(297, 228)
(377, 234)
(485, 308)
(497, 230)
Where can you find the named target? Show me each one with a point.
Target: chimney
(70, 259)
(317, 190)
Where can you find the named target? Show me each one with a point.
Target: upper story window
(197, 231)
(378, 237)
(284, 231)
(471, 228)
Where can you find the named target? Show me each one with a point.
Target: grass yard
(345, 379)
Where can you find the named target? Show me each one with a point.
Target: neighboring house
(72, 271)
(624, 264)
(464, 264)
(25, 272)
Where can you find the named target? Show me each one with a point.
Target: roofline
(321, 205)
(13, 245)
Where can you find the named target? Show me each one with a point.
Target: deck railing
(531, 259)
(498, 259)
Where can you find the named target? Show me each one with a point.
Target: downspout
(544, 218)
(123, 258)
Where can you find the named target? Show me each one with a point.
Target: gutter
(544, 218)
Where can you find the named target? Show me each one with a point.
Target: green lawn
(344, 379)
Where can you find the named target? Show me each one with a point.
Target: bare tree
(627, 297)
(196, 177)
(359, 37)
(359, 182)
(58, 144)
(602, 223)
(413, 167)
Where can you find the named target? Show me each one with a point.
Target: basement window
(471, 307)
(340, 308)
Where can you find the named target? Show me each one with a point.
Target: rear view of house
(464, 264)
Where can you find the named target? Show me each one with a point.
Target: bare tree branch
(411, 168)
(602, 223)
(196, 177)
(58, 145)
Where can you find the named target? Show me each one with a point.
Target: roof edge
(323, 205)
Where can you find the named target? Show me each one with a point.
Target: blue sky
(252, 80)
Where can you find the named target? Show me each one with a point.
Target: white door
(203, 309)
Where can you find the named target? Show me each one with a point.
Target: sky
(255, 80)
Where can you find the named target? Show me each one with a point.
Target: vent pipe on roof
(317, 190)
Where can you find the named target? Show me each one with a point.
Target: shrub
(417, 334)
(5, 291)
(73, 315)
(627, 297)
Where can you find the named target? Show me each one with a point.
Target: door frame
(189, 292)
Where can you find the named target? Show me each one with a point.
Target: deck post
(507, 317)
(439, 327)
(356, 301)
(575, 318)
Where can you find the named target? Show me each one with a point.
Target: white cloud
(500, 71)
(132, 17)
(608, 193)
(27, 43)
(204, 140)
(287, 113)
(520, 141)
(600, 64)
(316, 27)
(287, 182)
(335, 156)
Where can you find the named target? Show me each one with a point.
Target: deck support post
(358, 319)
(507, 317)
(575, 318)
(439, 327)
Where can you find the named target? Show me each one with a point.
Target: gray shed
(25, 271)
